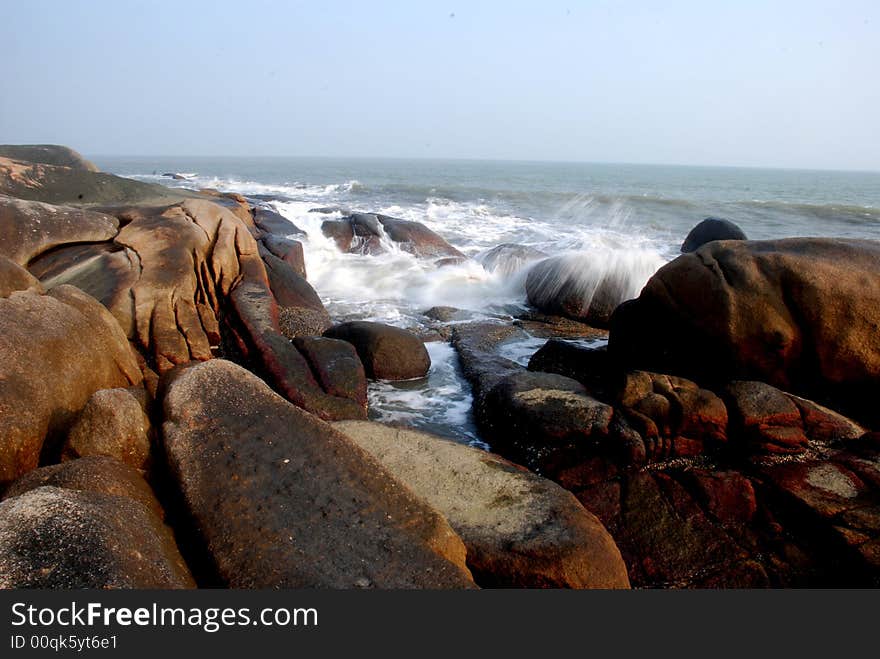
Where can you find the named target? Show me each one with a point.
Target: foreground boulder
(800, 314)
(47, 154)
(60, 538)
(588, 287)
(363, 233)
(282, 500)
(15, 278)
(56, 350)
(112, 423)
(388, 353)
(711, 229)
(520, 530)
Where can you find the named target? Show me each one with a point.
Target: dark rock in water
(549, 326)
(800, 314)
(362, 233)
(112, 423)
(336, 366)
(520, 530)
(47, 154)
(450, 261)
(176, 177)
(589, 366)
(388, 353)
(282, 500)
(710, 229)
(573, 286)
(56, 350)
(447, 314)
(101, 474)
(274, 222)
(477, 346)
(508, 258)
(328, 210)
(302, 321)
(53, 537)
(30, 228)
(289, 251)
(15, 278)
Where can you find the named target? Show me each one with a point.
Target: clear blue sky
(790, 84)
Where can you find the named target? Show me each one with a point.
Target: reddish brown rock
(336, 366)
(387, 353)
(765, 418)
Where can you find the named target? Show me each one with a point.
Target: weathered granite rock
(712, 228)
(47, 154)
(362, 233)
(336, 366)
(15, 278)
(282, 500)
(520, 530)
(388, 353)
(56, 350)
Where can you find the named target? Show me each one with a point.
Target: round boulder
(388, 353)
(712, 228)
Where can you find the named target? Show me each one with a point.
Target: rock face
(54, 537)
(520, 530)
(273, 222)
(800, 314)
(711, 229)
(282, 500)
(56, 184)
(56, 350)
(289, 251)
(362, 233)
(388, 353)
(15, 278)
(112, 423)
(337, 367)
(47, 154)
(584, 287)
(30, 228)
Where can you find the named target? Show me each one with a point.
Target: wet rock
(387, 353)
(282, 500)
(589, 366)
(114, 424)
(273, 222)
(336, 366)
(520, 530)
(799, 314)
(289, 287)
(54, 537)
(289, 251)
(509, 258)
(765, 418)
(477, 345)
(549, 326)
(362, 233)
(712, 228)
(56, 350)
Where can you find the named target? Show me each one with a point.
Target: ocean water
(625, 219)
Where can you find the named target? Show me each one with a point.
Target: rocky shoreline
(179, 409)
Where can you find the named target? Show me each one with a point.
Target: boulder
(53, 537)
(336, 366)
(30, 228)
(588, 287)
(509, 258)
(765, 418)
(273, 222)
(800, 314)
(56, 350)
(289, 251)
(99, 473)
(297, 322)
(47, 154)
(388, 353)
(589, 366)
(114, 424)
(15, 278)
(289, 287)
(520, 530)
(362, 233)
(282, 500)
(712, 228)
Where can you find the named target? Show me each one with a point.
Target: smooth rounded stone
(273, 222)
(99, 473)
(55, 184)
(30, 228)
(589, 366)
(712, 228)
(47, 154)
(509, 258)
(289, 287)
(298, 322)
(15, 278)
(112, 423)
(520, 530)
(336, 366)
(585, 288)
(388, 353)
(62, 538)
(800, 314)
(56, 350)
(765, 417)
(282, 500)
(289, 251)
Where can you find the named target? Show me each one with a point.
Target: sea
(630, 219)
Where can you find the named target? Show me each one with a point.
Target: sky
(747, 83)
